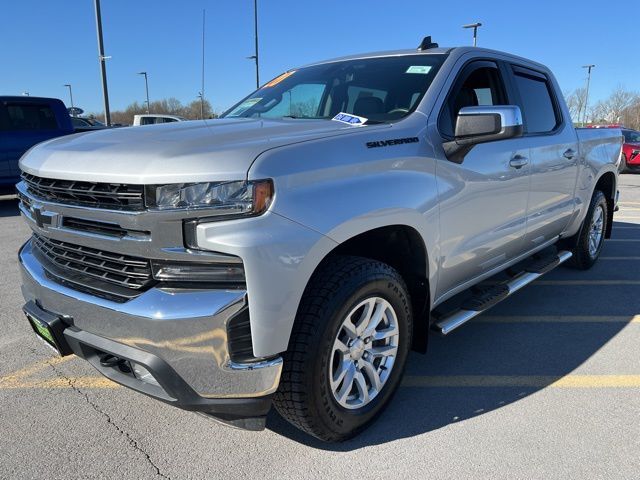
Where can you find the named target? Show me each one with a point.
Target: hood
(221, 149)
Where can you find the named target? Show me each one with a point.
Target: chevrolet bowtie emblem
(45, 219)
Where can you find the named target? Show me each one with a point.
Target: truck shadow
(8, 205)
(542, 333)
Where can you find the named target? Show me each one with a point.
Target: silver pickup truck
(292, 252)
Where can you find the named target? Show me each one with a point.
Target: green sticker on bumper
(42, 330)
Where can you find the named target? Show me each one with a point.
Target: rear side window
(30, 116)
(537, 104)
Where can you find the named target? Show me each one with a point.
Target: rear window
(30, 116)
(631, 137)
(156, 120)
(537, 104)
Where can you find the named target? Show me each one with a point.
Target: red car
(630, 161)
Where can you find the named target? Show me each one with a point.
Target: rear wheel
(590, 239)
(347, 350)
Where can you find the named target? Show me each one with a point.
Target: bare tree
(631, 115)
(613, 108)
(576, 102)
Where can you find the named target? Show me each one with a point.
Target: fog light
(143, 374)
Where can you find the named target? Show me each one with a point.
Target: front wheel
(347, 350)
(591, 236)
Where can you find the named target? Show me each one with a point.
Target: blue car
(25, 121)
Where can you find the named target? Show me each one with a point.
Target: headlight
(222, 198)
(198, 272)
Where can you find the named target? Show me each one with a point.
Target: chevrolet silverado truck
(293, 252)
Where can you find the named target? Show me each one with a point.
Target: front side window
(30, 116)
(536, 103)
(478, 85)
(379, 89)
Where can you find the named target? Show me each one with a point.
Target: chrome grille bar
(98, 195)
(114, 268)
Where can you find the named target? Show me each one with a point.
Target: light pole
(68, 85)
(201, 97)
(586, 96)
(255, 31)
(475, 27)
(103, 65)
(201, 93)
(146, 86)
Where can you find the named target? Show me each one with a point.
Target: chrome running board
(477, 305)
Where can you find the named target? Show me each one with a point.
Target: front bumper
(179, 334)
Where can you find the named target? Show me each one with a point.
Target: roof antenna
(427, 44)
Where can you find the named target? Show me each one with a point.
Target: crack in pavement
(132, 441)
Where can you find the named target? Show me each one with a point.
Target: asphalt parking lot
(545, 385)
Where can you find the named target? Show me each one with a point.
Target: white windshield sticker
(423, 69)
(350, 119)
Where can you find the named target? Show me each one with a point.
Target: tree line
(170, 106)
(621, 107)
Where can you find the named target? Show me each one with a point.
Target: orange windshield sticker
(278, 79)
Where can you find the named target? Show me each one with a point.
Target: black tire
(304, 397)
(583, 258)
(623, 167)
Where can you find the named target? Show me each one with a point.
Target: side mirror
(476, 125)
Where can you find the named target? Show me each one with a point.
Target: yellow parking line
(531, 381)
(55, 383)
(21, 380)
(558, 319)
(17, 376)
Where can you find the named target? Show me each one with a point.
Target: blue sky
(47, 43)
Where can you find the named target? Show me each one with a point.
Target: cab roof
(458, 51)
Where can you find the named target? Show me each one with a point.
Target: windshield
(379, 89)
(631, 136)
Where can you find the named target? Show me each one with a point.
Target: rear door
(554, 156)
(483, 201)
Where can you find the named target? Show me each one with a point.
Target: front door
(483, 200)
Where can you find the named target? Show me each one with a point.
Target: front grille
(86, 263)
(93, 194)
(101, 228)
(92, 226)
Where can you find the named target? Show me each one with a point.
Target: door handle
(569, 154)
(518, 161)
